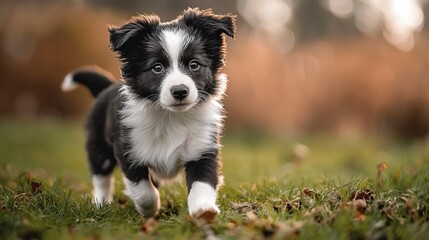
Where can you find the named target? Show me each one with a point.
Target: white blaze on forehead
(175, 41)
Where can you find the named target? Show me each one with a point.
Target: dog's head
(174, 64)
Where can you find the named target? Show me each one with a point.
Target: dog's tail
(94, 78)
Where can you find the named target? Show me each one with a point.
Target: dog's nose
(179, 92)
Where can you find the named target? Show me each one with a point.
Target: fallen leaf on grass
(412, 210)
(335, 198)
(360, 205)
(203, 226)
(251, 218)
(269, 229)
(35, 187)
(122, 201)
(169, 209)
(362, 194)
(288, 206)
(315, 213)
(309, 192)
(289, 232)
(244, 207)
(148, 226)
(232, 224)
(292, 205)
(388, 212)
(285, 205)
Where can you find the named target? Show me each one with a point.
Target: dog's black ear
(209, 23)
(128, 35)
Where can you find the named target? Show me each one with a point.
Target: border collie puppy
(166, 114)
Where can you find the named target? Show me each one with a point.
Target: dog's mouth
(180, 106)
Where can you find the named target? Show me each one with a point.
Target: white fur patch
(175, 41)
(144, 195)
(202, 197)
(68, 83)
(166, 140)
(103, 189)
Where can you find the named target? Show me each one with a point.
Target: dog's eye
(158, 68)
(194, 65)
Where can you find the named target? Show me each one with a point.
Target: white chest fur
(165, 140)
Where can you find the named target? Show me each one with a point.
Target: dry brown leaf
(251, 218)
(362, 194)
(148, 226)
(35, 187)
(290, 232)
(232, 225)
(243, 207)
(309, 192)
(269, 229)
(360, 205)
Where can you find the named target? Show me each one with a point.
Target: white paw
(204, 210)
(206, 214)
(203, 207)
(144, 195)
(202, 201)
(103, 189)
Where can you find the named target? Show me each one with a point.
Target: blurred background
(338, 66)
(352, 69)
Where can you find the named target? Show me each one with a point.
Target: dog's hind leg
(102, 163)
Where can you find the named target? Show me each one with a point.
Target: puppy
(166, 115)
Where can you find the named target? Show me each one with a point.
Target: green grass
(272, 190)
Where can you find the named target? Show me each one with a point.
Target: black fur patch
(206, 169)
(211, 29)
(100, 152)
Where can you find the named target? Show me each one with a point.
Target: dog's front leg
(139, 186)
(142, 191)
(202, 177)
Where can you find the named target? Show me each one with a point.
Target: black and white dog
(167, 113)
